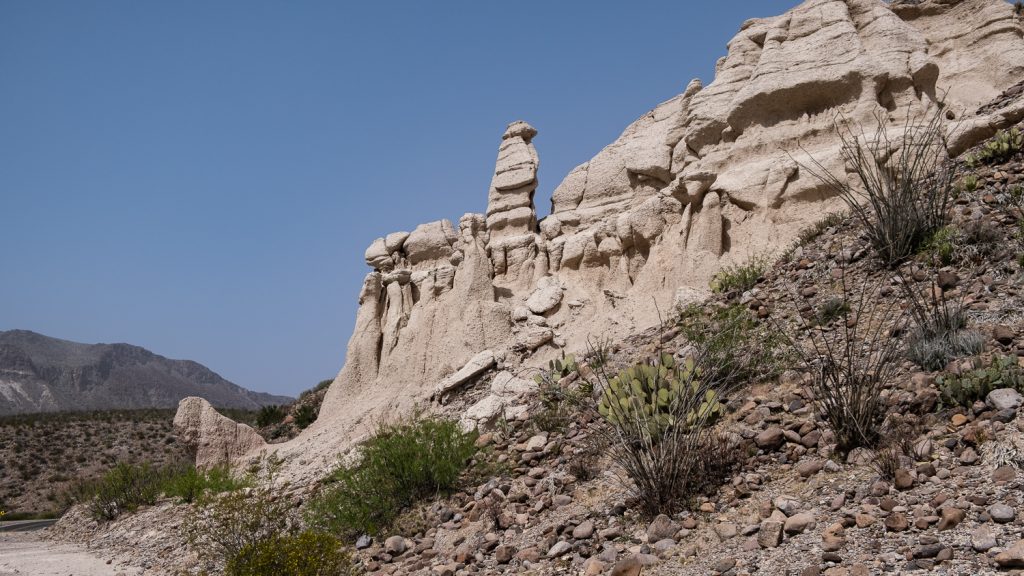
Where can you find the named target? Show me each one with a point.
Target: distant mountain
(43, 374)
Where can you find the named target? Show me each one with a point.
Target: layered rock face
(706, 179)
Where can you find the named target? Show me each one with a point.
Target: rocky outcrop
(708, 178)
(216, 439)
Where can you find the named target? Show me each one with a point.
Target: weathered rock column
(511, 217)
(510, 210)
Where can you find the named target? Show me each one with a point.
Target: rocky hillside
(709, 212)
(705, 180)
(43, 455)
(43, 374)
(941, 493)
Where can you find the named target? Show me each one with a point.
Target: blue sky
(202, 178)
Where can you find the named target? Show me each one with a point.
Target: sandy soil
(28, 554)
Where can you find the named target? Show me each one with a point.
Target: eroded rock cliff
(705, 179)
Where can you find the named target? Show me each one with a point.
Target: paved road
(25, 525)
(28, 554)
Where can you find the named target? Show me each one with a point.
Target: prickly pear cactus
(964, 389)
(658, 396)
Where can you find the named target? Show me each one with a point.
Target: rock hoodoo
(705, 179)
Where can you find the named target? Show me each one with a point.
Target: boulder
(216, 439)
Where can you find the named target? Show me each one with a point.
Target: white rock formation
(707, 178)
(216, 439)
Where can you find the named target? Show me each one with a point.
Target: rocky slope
(458, 315)
(706, 179)
(43, 455)
(43, 374)
(950, 504)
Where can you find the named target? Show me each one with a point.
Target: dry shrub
(658, 421)
(904, 186)
(851, 363)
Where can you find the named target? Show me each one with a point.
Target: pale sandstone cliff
(706, 179)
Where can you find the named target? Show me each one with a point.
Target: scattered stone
(662, 527)
(950, 517)
(770, 439)
(1013, 557)
(584, 530)
(770, 535)
(1003, 335)
(1001, 513)
(630, 566)
(504, 553)
(797, 523)
(724, 565)
(559, 549)
(982, 540)
(1004, 399)
(904, 479)
(896, 522)
(395, 545)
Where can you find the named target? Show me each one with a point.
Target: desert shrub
(738, 279)
(831, 310)
(658, 421)
(941, 246)
(558, 368)
(739, 347)
(1000, 148)
(599, 351)
(558, 405)
(307, 553)
(269, 415)
(851, 363)
(939, 332)
(122, 489)
(967, 388)
(190, 484)
(650, 395)
(241, 519)
(321, 385)
(901, 196)
(818, 228)
(402, 463)
(583, 464)
(305, 415)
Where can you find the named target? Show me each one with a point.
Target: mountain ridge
(40, 373)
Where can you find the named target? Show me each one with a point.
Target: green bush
(321, 385)
(818, 228)
(739, 347)
(832, 310)
(1000, 148)
(739, 279)
(240, 519)
(269, 415)
(940, 332)
(307, 553)
(400, 464)
(122, 489)
(658, 420)
(942, 245)
(305, 415)
(967, 388)
(190, 484)
(127, 486)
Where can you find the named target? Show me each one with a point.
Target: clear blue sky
(201, 178)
